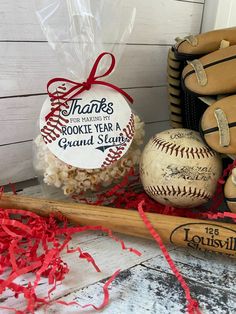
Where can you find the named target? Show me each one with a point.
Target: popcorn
(74, 180)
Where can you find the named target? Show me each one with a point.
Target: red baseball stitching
(181, 150)
(115, 153)
(52, 130)
(172, 191)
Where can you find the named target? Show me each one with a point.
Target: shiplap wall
(27, 62)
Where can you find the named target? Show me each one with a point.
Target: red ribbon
(78, 88)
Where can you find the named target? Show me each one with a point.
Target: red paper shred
(192, 304)
(30, 243)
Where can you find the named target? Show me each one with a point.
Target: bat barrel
(193, 233)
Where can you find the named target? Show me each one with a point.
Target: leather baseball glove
(201, 69)
(202, 93)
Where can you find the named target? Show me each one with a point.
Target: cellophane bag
(88, 138)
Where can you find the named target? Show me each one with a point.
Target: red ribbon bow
(78, 88)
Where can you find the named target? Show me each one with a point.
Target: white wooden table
(145, 284)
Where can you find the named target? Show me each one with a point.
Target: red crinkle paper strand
(30, 243)
(192, 304)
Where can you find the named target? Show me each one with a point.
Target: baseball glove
(202, 93)
(201, 69)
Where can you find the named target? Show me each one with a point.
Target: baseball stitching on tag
(115, 153)
(172, 191)
(52, 130)
(178, 150)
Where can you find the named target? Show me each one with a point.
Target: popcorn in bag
(90, 137)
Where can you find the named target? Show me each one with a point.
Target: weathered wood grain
(19, 116)
(19, 21)
(108, 255)
(209, 269)
(143, 290)
(16, 160)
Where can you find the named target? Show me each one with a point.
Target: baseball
(178, 169)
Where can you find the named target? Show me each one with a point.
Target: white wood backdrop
(219, 14)
(27, 62)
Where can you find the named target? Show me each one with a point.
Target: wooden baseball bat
(194, 233)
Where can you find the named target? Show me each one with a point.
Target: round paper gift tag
(91, 131)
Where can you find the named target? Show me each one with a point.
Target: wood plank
(27, 67)
(19, 21)
(16, 159)
(142, 290)
(208, 268)
(151, 26)
(139, 289)
(18, 118)
(16, 163)
(108, 255)
(19, 115)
